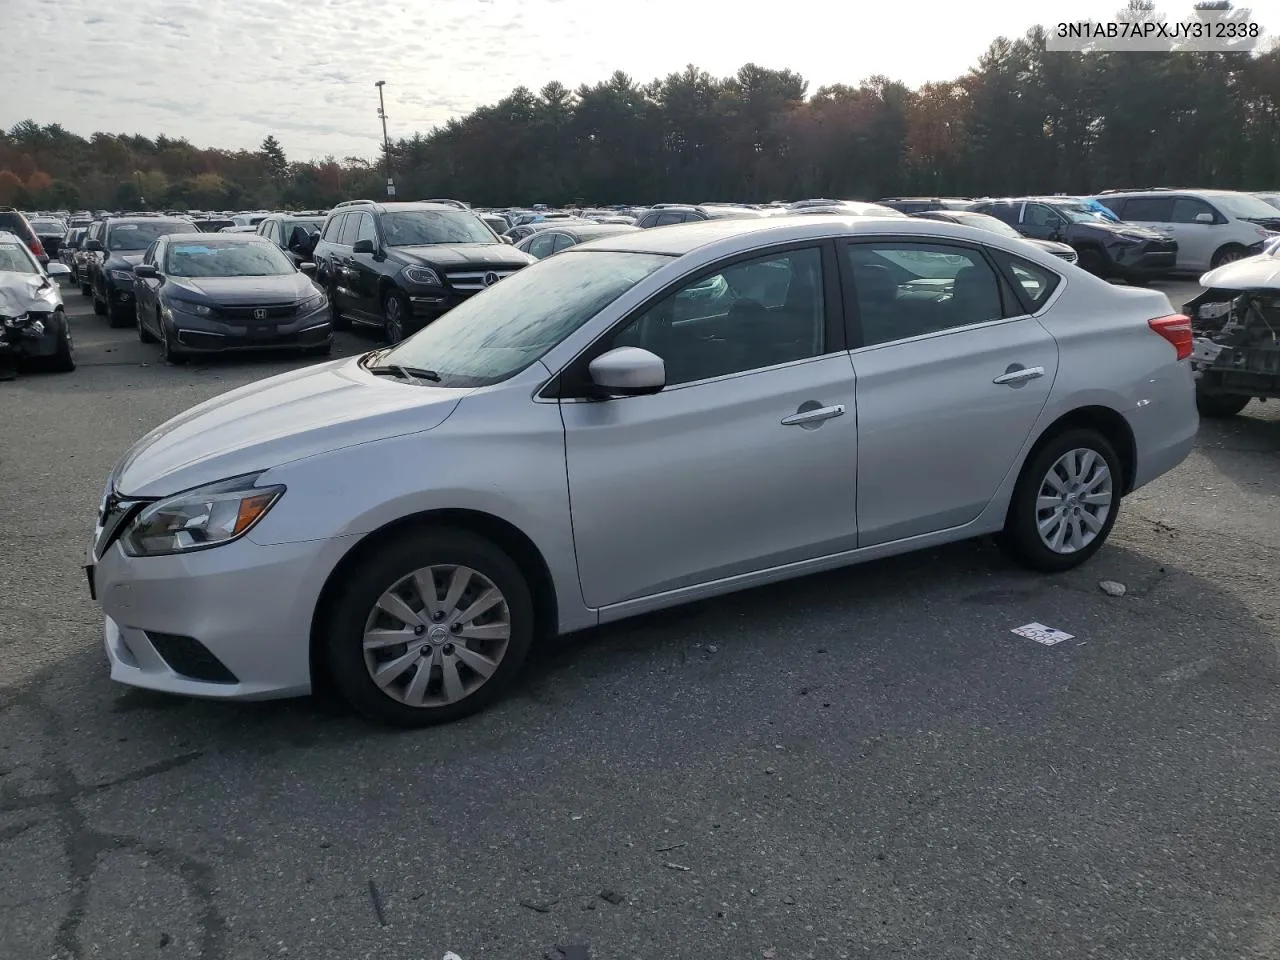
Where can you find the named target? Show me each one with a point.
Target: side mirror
(628, 372)
(308, 268)
(146, 271)
(505, 239)
(362, 246)
(57, 270)
(1204, 218)
(93, 246)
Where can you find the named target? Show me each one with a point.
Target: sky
(226, 73)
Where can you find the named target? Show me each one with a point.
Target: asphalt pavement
(861, 764)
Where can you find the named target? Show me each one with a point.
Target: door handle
(813, 416)
(1015, 376)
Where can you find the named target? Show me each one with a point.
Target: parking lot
(861, 764)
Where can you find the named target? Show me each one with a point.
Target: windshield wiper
(412, 374)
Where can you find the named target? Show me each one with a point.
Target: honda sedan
(645, 420)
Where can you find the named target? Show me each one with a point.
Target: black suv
(1123, 250)
(121, 242)
(399, 266)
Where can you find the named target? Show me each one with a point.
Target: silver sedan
(645, 420)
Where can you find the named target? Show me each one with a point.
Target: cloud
(228, 74)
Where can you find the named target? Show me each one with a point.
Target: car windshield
(311, 226)
(1244, 206)
(1079, 213)
(413, 228)
(48, 226)
(500, 331)
(139, 236)
(14, 259)
(204, 259)
(981, 221)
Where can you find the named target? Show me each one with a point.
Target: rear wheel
(1228, 254)
(1065, 502)
(1219, 406)
(429, 628)
(336, 318)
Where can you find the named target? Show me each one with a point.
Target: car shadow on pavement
(1234, 445)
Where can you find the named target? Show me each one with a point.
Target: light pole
(386, 142)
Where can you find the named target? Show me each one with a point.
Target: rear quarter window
(1032, 284)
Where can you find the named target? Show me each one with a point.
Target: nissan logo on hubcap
(259, 314)
(491, 278)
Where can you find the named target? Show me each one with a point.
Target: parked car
(562, 236)
(201, 293)
(89, 256)
(921, 204)
(844, 208)
(1235, 321)
(33, 322)
(663, 215)
(50, 231)
(295, 234)
(982, 221)
(398, 266)
(1271, 197)
(15, 222)
(1212, 227)
(124, 241)
(1122, 250)
(569, 448)
(69, 247)
(212, 224)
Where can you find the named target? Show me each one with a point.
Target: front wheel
(1219, 406)
(63, 359)
(429, 628)
(1065, 502)
(1228, 254)
(395, 316)
(145, 335)
(170, 352)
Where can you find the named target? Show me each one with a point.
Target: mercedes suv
(398, 266)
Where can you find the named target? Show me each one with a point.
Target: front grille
(473, 281)
(1067, 255)
(246, 314)
(268, 337)
(191, 658)
(1162, 246)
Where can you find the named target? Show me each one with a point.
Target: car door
(363, 268)
(952, 374)
(1042, 222)
(746, 460)
(145, 289)
(541, 244)
(1197, 241)
(344, 261)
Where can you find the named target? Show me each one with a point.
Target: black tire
(99, 307)
(397, 315)
(1220, 406)
(336, 318)
(321, 351)
(1227, 254)
(169, 352)
(1020, 538)
(64, 357)
(85, 289)
(118, 316)
(145, 335)
(344, 622)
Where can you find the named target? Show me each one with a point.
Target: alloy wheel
(1074, 500)
(436, 635)
(394, 311)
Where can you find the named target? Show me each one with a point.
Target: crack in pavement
(84, 844)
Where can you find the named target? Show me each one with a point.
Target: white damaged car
(33, 323)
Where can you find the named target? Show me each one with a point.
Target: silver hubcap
(393, 320)
(436, 636)
(1074, 501)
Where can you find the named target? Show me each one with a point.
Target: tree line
(1022, 120)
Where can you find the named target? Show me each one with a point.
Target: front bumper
(1147, 259)
(247, 607)
(210, 335)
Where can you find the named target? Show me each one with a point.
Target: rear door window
(1148, 209)
(349, 228)
(1186, 209)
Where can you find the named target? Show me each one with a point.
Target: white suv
(1212, 227)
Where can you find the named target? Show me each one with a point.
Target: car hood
(462, 254)
(22, 292)
(1052, 246)
(125, 259)
(281, 288)
(1251, 273)
(299, 414)
(1131, 229)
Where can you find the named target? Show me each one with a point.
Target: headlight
(124, 276)
(313, 303)
(199, 519)
(186, 306)
(423, 275)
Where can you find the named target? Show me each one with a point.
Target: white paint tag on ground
(1042, 634)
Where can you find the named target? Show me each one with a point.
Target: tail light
(1175, 328)
(36, 247)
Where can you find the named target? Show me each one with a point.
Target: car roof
(220, 237)
(116, 221)
(680, 239)
(592, 229)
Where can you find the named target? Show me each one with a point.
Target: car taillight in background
(36, 246)
(1176, 328)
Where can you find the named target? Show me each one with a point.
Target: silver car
(642, 421)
